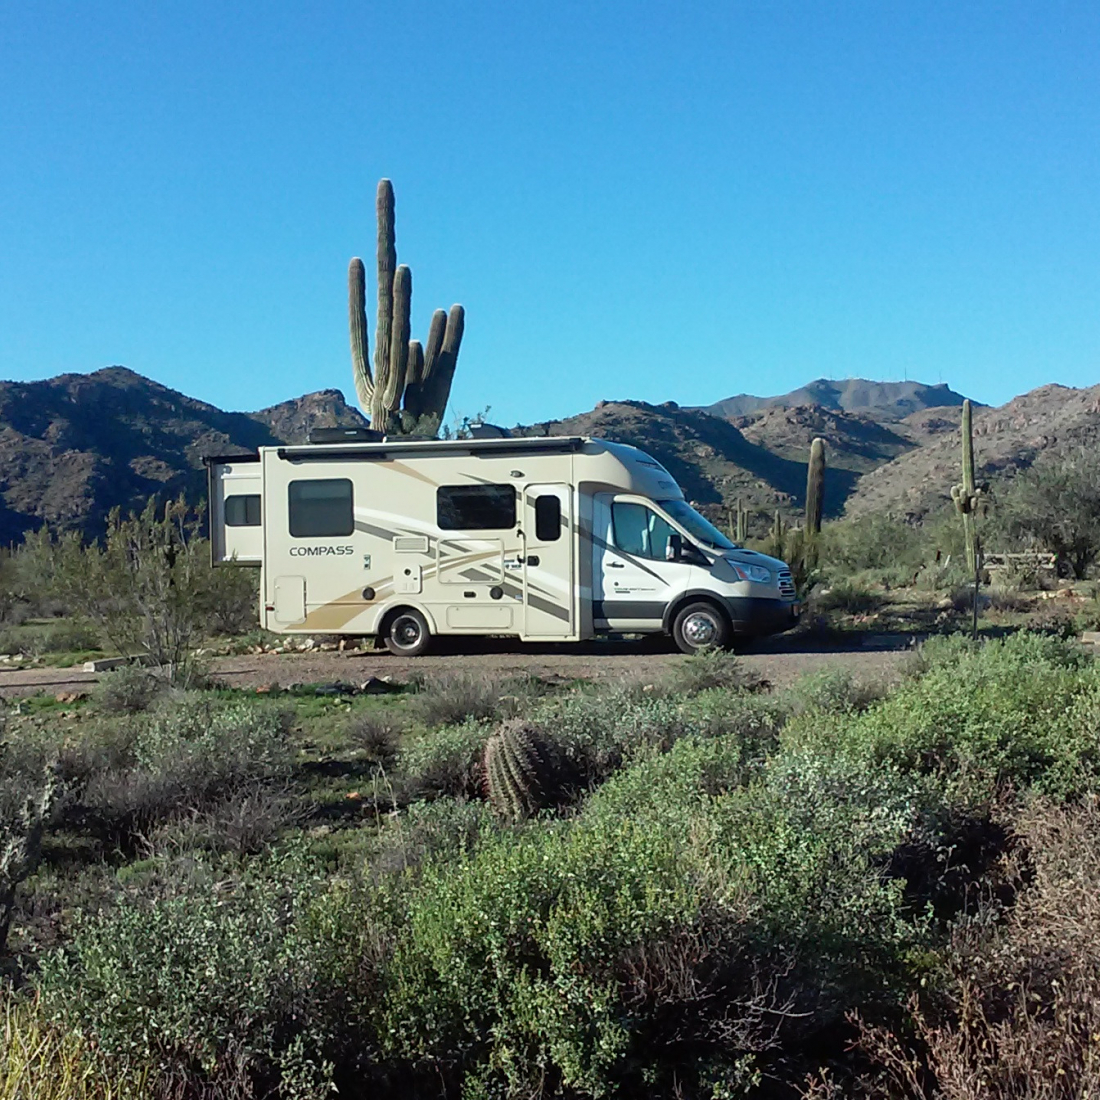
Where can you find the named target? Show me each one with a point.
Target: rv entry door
(547, 559)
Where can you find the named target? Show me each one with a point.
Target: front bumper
(757, 616)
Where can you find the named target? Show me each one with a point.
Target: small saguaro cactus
(410, 385)
(742, 522)
(779, 537)
(524, 769)
(965, 495)
(815, 499)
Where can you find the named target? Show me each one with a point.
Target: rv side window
(320, 508)
(638, 530)
(547, 519)
(242, 510)
(475, 507)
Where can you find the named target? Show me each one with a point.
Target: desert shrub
(704, 671)
(834, 689)
(245, 823)
(1018, 711)
(130, 689)
(848, 596)
(1006, 600)
(189, 753)
(229, 600)
(447, 699)
(441, 830)
(1055, 505)
(599, 729)
(250, 982)
(876, 542)
(377, 734)
(446, 761)
(1019, 1011)
(145, 588)
(36, 640)
(565, 956)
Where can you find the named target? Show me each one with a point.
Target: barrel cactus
(524, 770)
(410, 384)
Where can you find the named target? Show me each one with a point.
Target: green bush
(445, 761)
(1022, 711)
(127, 690)
(564, 956)
(872, 542)
(246, 981)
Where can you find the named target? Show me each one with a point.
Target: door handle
(615, 565)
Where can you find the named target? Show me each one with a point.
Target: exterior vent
(410, 544)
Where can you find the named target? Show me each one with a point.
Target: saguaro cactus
(403, 369)
(742, 522)
(524, 769)
(965, 495)
(815, 499)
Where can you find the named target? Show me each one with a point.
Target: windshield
(702, 530)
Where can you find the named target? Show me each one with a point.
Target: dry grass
(1022, 1014)
(40, 1061)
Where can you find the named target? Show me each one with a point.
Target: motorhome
(543, 539)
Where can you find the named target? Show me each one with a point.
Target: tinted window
(640, 531)
(242, 510)
(547, 519)
(475, 507)
(320, 508)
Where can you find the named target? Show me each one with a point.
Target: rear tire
(700, 626)
(407, 634)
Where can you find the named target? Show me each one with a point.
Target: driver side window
(638, 530)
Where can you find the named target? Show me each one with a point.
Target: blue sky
(669, 201)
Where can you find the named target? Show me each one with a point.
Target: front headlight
(756, 573)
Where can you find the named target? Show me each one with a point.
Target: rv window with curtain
(242, 510)
(321, 508)
(475, 507)
(547, 519)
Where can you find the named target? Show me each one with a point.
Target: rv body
(543, 539)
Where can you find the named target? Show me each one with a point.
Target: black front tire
(700, 626)
(407, 634)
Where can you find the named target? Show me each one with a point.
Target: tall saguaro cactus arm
(357, 323)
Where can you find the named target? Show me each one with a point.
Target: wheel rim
(700, 629)
(406, 632)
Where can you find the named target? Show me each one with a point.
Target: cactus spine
(404, 372)
(965, 495)
(524, 770)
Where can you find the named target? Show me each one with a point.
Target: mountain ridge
(879, 400)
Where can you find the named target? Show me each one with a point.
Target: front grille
(786, 584)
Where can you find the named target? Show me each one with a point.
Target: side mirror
(674, 548)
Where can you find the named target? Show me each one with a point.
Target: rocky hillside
(75, 446)
(884, 401)
(713, 461)
(1006, 439)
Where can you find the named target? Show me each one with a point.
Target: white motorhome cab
(543, 539)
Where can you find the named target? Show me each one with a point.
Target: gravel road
(780, 661)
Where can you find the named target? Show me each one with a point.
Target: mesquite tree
(410, 385)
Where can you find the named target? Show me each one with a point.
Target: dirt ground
(779, 661)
